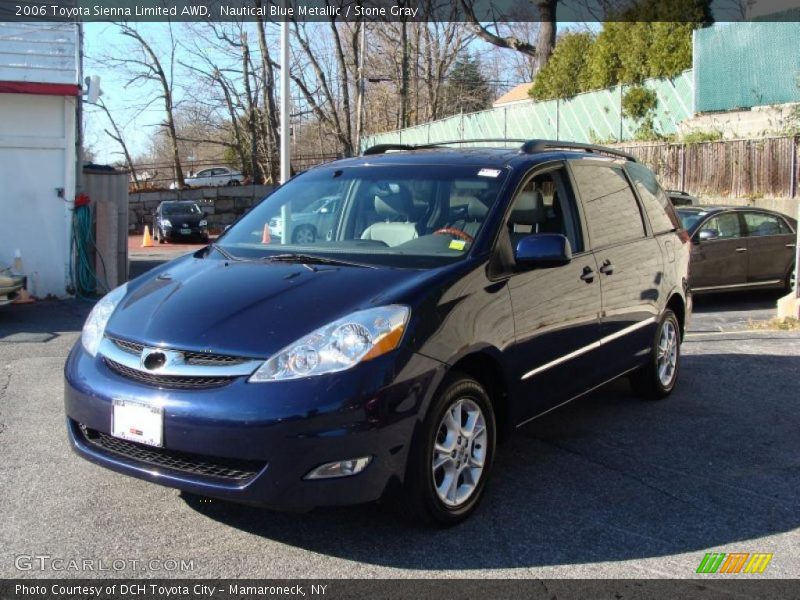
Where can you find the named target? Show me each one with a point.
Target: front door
(556, 310)
(719, 256)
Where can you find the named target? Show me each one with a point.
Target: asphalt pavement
(608, 486)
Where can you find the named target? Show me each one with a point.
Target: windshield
(690, 218)
(404, 215)
(180, 209)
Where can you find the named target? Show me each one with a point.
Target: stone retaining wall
(223, 204)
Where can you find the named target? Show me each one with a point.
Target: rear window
(656, 203)
(612, 212)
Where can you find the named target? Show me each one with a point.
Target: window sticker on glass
(458, 245)
(489, 173)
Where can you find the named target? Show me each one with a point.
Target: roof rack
(531, 146)
(528, 146)
(384, 148)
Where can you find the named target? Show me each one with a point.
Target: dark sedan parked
(739, 248)
(460, 294)
(174, 220)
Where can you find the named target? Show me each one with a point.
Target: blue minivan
(453, 295)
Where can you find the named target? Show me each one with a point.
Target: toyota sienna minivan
(454, 295)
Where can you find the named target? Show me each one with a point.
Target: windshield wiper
(227, 256)
(295, 257)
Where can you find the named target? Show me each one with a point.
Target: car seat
(527, 215)
(395, 209)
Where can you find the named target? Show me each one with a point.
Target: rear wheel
(790, 280)
(451, 459)
(657, 378)
(305, 234)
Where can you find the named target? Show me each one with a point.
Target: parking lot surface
(608, 486)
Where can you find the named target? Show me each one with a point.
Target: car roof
(495, 152)
(483, 157)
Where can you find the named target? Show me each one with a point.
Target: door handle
(607, 268)
(790, 245)
(588, 274)
(741, 249)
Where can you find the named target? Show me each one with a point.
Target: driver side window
(543, 205)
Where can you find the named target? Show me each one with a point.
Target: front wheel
(450, 461)
(657, 378)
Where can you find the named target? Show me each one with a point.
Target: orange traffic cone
(147, 241)
(266, 237)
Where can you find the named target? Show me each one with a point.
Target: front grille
(190, 358)
(183, 462)
(175, 382)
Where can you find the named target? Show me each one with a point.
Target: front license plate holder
(138, 422)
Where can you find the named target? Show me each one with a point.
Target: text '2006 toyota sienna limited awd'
(454, 295)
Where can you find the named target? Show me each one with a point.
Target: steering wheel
(454, 232)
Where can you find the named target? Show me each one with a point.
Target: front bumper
(175, 232)
(281, 430)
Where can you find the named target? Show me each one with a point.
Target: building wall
(37, 157)
(40, 62)
(39, 52)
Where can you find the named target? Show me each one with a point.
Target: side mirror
(707, 234)
(543, 250)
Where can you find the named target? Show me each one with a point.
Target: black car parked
(737, 248)
(460, 294)
(174, 220)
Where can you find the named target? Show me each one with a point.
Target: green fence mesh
(590, 117)
(739, 65)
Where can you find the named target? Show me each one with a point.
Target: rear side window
(656, 203)
(760, 224)
(612, 212)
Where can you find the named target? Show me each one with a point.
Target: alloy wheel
(459, 452)
(667, 357)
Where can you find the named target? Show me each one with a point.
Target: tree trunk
(546, 39)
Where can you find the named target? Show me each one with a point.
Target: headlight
(95, 325)
(203, 223)
(361, 336)
(166, 223)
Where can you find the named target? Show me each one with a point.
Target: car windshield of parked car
(415, 216)
(180, 209)
(691, 218)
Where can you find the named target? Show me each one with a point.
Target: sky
(137, 123)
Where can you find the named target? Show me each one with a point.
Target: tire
(305, 234)
(657, 378)
(790, 278)
(234, 182)
(428, 498)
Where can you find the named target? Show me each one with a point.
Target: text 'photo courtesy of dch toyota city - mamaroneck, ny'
(399, 299)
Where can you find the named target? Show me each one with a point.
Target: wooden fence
(759, 168)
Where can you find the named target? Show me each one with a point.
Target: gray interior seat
(476, 214)
(527, 215)
(395, 209)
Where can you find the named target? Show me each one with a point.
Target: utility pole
(361, 88)
(285, 132)
(286, 169)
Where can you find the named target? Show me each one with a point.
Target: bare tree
(146, 66)
(117, 136)
(541, 50)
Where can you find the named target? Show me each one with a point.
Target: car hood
(249, 308)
